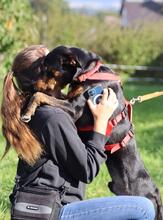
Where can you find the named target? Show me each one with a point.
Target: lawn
(148, 121)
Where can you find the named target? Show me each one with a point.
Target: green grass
(148, 121)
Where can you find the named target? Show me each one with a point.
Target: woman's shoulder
(48, 115)
(47, 112)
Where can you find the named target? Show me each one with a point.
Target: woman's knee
(148, 207)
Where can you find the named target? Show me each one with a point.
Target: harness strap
(104, 76)
(94, 75)
(111, 124)
(86, 75)
(129, 110)
(114, 147)
(86, 128)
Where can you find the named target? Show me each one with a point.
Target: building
(138, 12)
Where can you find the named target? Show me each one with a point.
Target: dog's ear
(72, 60)
(83, 56)
(72, 63)
(85, 60)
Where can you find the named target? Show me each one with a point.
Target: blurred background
(122, 32)
(128, 35)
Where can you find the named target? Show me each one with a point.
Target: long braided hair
(26, 69)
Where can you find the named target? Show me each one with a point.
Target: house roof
(142, 11)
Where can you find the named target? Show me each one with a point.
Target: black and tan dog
(83, 70)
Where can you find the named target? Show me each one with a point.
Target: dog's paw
(25, 118)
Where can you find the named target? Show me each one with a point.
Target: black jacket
(69, 159)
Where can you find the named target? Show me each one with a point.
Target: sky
(95, 4)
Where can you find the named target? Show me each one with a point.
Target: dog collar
(93, 74)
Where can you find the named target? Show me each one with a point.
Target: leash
(146, 97)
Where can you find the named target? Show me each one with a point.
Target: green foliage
(139, 46)
(130, 46)
(57, 24)
(17, 29)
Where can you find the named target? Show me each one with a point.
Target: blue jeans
(109, 208)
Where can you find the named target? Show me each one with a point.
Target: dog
(84, 70)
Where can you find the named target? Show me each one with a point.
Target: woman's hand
(104, 110)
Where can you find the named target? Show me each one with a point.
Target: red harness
(114, 147)
(94, 75)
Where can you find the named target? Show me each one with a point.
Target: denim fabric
(110, 208)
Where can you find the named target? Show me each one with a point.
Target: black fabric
(31, 175)
(36, 203)
(69, 159)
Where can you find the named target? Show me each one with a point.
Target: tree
(17, 29)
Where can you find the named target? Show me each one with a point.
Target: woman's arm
(81, 161)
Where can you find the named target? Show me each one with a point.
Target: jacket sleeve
(81, 160)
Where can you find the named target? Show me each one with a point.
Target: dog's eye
(50, 71)
(68, 61)
(73, 62)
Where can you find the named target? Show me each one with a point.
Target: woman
(52, 134)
